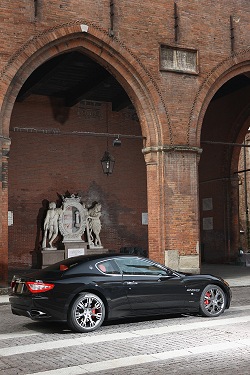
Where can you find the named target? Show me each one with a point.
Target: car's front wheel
(212, 301)
(87, 313)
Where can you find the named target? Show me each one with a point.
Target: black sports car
(85, 290)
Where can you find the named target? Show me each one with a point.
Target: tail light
(39, 286)
(13, 281)
(63, 267)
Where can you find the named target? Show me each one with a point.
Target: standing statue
(94, 225)
(51, 225)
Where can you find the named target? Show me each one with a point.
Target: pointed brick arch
(244, 121)
(133, 76)
(218, 164)
(111, 53)
(228, 68)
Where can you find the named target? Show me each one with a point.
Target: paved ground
(235, 275)
(180, 345)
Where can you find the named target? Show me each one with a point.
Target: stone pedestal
(72, 249)
(81, 248)
(97, 250)
(51, 256)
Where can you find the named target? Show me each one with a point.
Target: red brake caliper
(206, 301)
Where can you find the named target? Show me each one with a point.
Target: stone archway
(112, 55)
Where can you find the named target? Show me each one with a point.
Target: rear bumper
(36, 308)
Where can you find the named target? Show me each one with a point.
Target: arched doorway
(222, 135)
(72, 110)
(23, 74)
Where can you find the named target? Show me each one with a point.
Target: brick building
(171, 79)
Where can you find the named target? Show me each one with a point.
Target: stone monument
(50, 254)
(94, 226)
(72, 225)
(50, 226)
(79, 226)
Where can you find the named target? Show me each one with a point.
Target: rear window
(65, 264)
(108, 267)
(70, 265)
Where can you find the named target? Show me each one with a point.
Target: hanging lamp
(107, 161)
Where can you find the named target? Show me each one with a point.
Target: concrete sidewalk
(235, 275)
(4, 299)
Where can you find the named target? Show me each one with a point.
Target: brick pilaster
(156, 214)
(173, 206)
(4, 153)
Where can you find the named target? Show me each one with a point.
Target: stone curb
(4, 300)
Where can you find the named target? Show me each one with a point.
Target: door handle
(163, 278)
(130, 283)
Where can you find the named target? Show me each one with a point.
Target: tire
(212, 301)
(87, 313)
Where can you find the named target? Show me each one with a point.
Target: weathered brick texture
(171, 108)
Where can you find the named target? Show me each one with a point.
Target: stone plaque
(178, 60)
(10, 218)
(207, 204)
(75, 252)
(208, 223)
(144, 218)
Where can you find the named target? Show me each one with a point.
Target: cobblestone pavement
(189, 345)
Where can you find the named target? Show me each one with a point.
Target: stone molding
(169, 148)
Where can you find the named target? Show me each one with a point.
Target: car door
(111, 285)
(151, 288)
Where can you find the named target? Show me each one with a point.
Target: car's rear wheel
(212, 301)
(87, 313)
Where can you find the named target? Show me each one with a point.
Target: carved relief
(72, 220)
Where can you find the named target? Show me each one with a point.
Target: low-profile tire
(87, 313)
(212, 301)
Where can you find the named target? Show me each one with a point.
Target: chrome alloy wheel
(213, 301)
(87, 313)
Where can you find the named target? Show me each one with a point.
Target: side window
(107, 267)
(137, 266)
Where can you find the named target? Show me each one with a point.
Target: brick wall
(139, 29)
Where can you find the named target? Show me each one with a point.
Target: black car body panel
(127, 285)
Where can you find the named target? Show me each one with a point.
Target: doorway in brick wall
(68, 112)
(225, 125)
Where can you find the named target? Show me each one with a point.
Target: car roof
(85, 258)
(81, 259)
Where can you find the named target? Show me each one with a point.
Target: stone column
(173, 209)
(4, 153)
